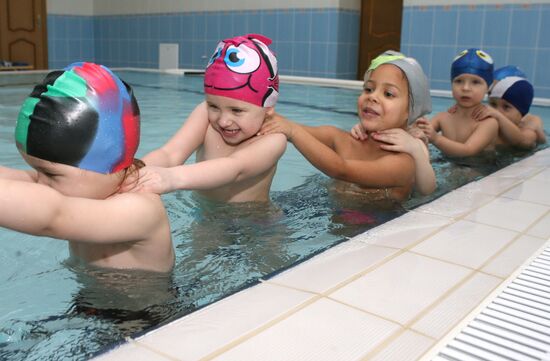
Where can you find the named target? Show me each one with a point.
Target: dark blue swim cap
(473, 61)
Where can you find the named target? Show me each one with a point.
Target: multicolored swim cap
(508, 70)
(516, 91)
(83, 116)
(244, 68)
(473, 61)
(420, 102)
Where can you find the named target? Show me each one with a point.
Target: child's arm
(42, 211)
(252, 160)
(484, 134)
(534, 123)
(394, 171)
(18, 174)
(512, 134)
(182, 144)
(398, 140)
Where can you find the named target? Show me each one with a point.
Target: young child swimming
(510, 99)
(233, 163)
(395, 94)
(79, 130)
(458, 134)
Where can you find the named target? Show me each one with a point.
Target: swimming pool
(217, 253)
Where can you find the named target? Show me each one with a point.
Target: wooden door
(23, 36)
(380, 30)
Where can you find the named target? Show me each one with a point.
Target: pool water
(51, 309)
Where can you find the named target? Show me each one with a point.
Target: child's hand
(277, 124)
(151, 179)
(397, 140)
(426, 126)
(482, 112)
(358, 132)
(416, 132)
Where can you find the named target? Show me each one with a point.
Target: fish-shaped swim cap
(516, 91)
(508, 70)
(244, 68)
(420, 102)
(83, 116)
(473, 61)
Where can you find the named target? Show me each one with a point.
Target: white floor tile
(543, 176)
(456, 204)
(517, 170)
(206, 330)
(541, 228)
(404, 231)
(131, 352)
(492, 185)
(333, 267)
(514, 256)
(539, 159)
(401, 288)
(408, 346)
(466, 243)
(530, 191)
(324, 330)
(508, 213)
(457, 305)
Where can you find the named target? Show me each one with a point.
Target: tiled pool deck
(389, 294)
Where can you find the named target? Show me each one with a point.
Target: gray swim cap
(420, 102)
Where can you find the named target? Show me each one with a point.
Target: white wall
(70, 7)
(121, 7)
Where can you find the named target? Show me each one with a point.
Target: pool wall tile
(460, 302)
(391, 292)
(322, 331)
(405, 231)
(407, 346)
(509, 213)
(433, 34)
(456, 203)
(513, 256)
(333, 267)
(466, 243)
(531, 191)
(541, 229)
(207, 330)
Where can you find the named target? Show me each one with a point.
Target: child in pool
(395, 94)
(233, 163)
(79, 130)
(510, 99)
(458, 134)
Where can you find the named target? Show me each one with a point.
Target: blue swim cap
(516, 91)
(473, 61)
(508, 70)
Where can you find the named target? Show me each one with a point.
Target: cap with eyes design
(244, 68)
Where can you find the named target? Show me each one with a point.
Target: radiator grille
(514, 326)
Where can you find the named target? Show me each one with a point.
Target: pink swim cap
(244, 68)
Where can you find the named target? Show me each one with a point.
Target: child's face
(384, 103)
(507, 109)
(72, 181)
(469, 90)
(235, 120)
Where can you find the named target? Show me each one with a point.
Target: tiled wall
(318, 42)
(516, 34)
(309, 41)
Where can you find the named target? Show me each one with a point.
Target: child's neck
(465, 112)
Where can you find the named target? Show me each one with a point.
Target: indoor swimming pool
(51, 309)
